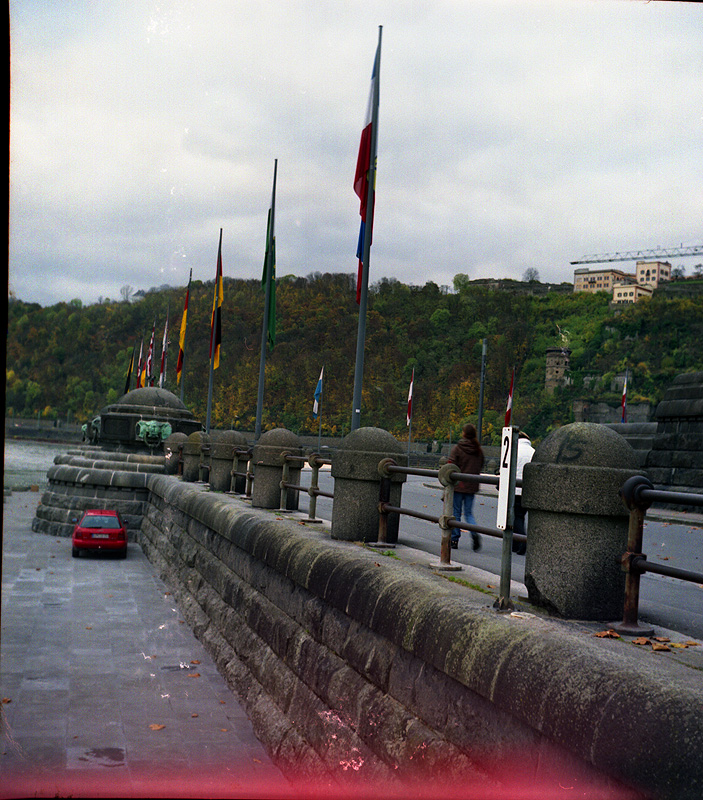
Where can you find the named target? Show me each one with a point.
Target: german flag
(216, 325)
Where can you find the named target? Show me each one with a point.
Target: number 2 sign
(506, 488)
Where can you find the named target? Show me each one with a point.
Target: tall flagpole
(410, 412)
(361, 334)
(269, 265)
(213, 334)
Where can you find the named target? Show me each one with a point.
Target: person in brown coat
(468, 456)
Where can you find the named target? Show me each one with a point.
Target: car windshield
(95, 521)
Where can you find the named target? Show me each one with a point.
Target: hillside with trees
(70, 360)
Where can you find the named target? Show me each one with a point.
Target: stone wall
(74, 489)
(355, 666)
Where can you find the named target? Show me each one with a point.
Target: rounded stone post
(268, 469)
(355, 513)
(577, 531)
(222, 447)
(192, 455)
(173, 449)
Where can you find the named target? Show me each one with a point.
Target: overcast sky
(512, 134)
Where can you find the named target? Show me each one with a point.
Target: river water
(27, 462)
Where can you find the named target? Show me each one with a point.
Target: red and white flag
(149, 379)
(509, 408)
(624, 399)
(164, 353)
(410, 399)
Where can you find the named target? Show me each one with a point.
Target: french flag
(363, 167)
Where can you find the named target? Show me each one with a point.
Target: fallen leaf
(193, 674)
(662, 639)
(224, 730)
(609, 634)
(193, 716)
(489, 586)
(6, 700)
(641, 640)
(680, 645)
(663, 647)
(195, 661)
(156, 727)
(664, 558)
(258, 761)
(691, 643)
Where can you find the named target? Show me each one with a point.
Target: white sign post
(506, 503)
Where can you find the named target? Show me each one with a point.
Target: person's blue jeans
(463, 506)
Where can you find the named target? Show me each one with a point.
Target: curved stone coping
(616, 706)
(63, 473)
(126, 466)
(110, 455)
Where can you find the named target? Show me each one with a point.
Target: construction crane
(643, 255)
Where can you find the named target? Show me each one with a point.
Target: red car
(100, 530)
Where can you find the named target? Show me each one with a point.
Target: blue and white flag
(318, 396)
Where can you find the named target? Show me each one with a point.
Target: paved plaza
(105, 690)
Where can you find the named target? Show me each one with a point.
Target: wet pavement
(105, 690)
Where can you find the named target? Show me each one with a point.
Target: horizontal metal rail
(314, 491)
(638, 494)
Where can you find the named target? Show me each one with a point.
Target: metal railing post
(250, 474)
(446, 478)
(285, 480)
(384, 498)
(630, 494)
(314, 486)
(234, 471)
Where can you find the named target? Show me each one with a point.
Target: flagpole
(363, 300)
(268, 267)
(182, 344)
(410, 411)
(215, 311)
(481, 390)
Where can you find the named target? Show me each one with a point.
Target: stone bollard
(222, 447)
(192, 455)
(355, 514)
(577, 524)
(173, 452)
(267, 458)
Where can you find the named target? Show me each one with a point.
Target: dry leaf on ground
(609, 634)
(156, 727)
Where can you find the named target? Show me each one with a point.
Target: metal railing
(448, 476)
(315, 461)
(638, 494)
(242, 456)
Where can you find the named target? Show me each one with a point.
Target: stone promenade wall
(352, 664)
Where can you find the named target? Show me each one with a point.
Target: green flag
(268, 279)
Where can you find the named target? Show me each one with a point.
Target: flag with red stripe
(509, 409)
(366, 161)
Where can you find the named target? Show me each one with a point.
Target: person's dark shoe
(455, 544)
(476, 540)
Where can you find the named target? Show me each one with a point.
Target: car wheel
(75, 552)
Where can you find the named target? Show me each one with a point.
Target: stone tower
(557, 368)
